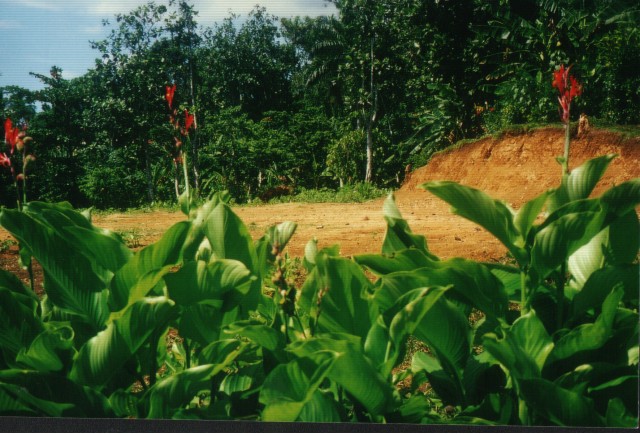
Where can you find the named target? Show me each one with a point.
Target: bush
(113, 187)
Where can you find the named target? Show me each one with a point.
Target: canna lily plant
(178, 154)
(568, 88)
(16, 139)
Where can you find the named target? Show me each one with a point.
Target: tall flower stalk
(178, 154)
(568, 88)
(17, 140)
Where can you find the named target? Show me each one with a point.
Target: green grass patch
(357, 193)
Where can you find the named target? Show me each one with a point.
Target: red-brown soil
(514, 168)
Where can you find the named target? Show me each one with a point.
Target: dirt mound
(518, 167)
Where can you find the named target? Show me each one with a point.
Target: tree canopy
(313, 102)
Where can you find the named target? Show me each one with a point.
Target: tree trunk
(371, 116)
(369, 170)
(196, 138)
(147, 173)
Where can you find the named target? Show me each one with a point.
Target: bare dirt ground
(514, 168)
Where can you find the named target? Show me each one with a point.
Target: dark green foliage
(314, 102)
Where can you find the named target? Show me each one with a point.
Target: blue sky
(37, 34)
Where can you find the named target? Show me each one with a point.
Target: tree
(135, 71)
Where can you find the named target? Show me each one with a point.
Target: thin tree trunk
(196, 138)
(372, 116)
(147, 173)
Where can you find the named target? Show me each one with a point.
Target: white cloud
(210, 11)
(41, 4)
(93, 30)
(9, 25)
(218, 10)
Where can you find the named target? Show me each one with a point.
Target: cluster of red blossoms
(568, 87)
(16, 139)
(173, 119)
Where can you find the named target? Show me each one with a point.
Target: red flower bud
(5, 160)
(168, 95)
(188, 121)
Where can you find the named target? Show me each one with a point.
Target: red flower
(188, 121)
(169, 91)
(11, 134)
(4, 160)
(568, 88)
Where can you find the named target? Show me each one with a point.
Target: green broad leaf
(493, 215)
(124, 404)
(472, 284)
(419, 311)
(14, 401)
(104, 355)
(310, 252)
(201, 282)
(275, 240)
(70, 279)
(590, 336)
(509, 277)
(260, 334)
(524, 349)
(602, 282)
(402, 260)
(343, 302)
(280, 234)
(51, 351)
(527, 214)
(412, 410)
(230, 239)
(580, 182)
(244, 381)
(588, 258)
(54, 395)
(292, 386)
(216, 352)
(203, 323)
(210, 296)
(109, 252)
(558, 240)
(448, 388)
(445, 329)
(482, 376)
(321, 408)
(378, 345)
(621, 199)
(618, 416)
(451, 344)
(558, 405)
(624, 239)
(399, 235)
(351, 369)
(19, 324)
(198, 218)
(617, 243)
(39, 210)
(105, 249)
(10, 281)
(147, 267)
(175, 392)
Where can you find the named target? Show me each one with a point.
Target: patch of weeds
(131, 237)
(5, 245)
(356, 193)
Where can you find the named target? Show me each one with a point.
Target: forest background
(312, 103)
